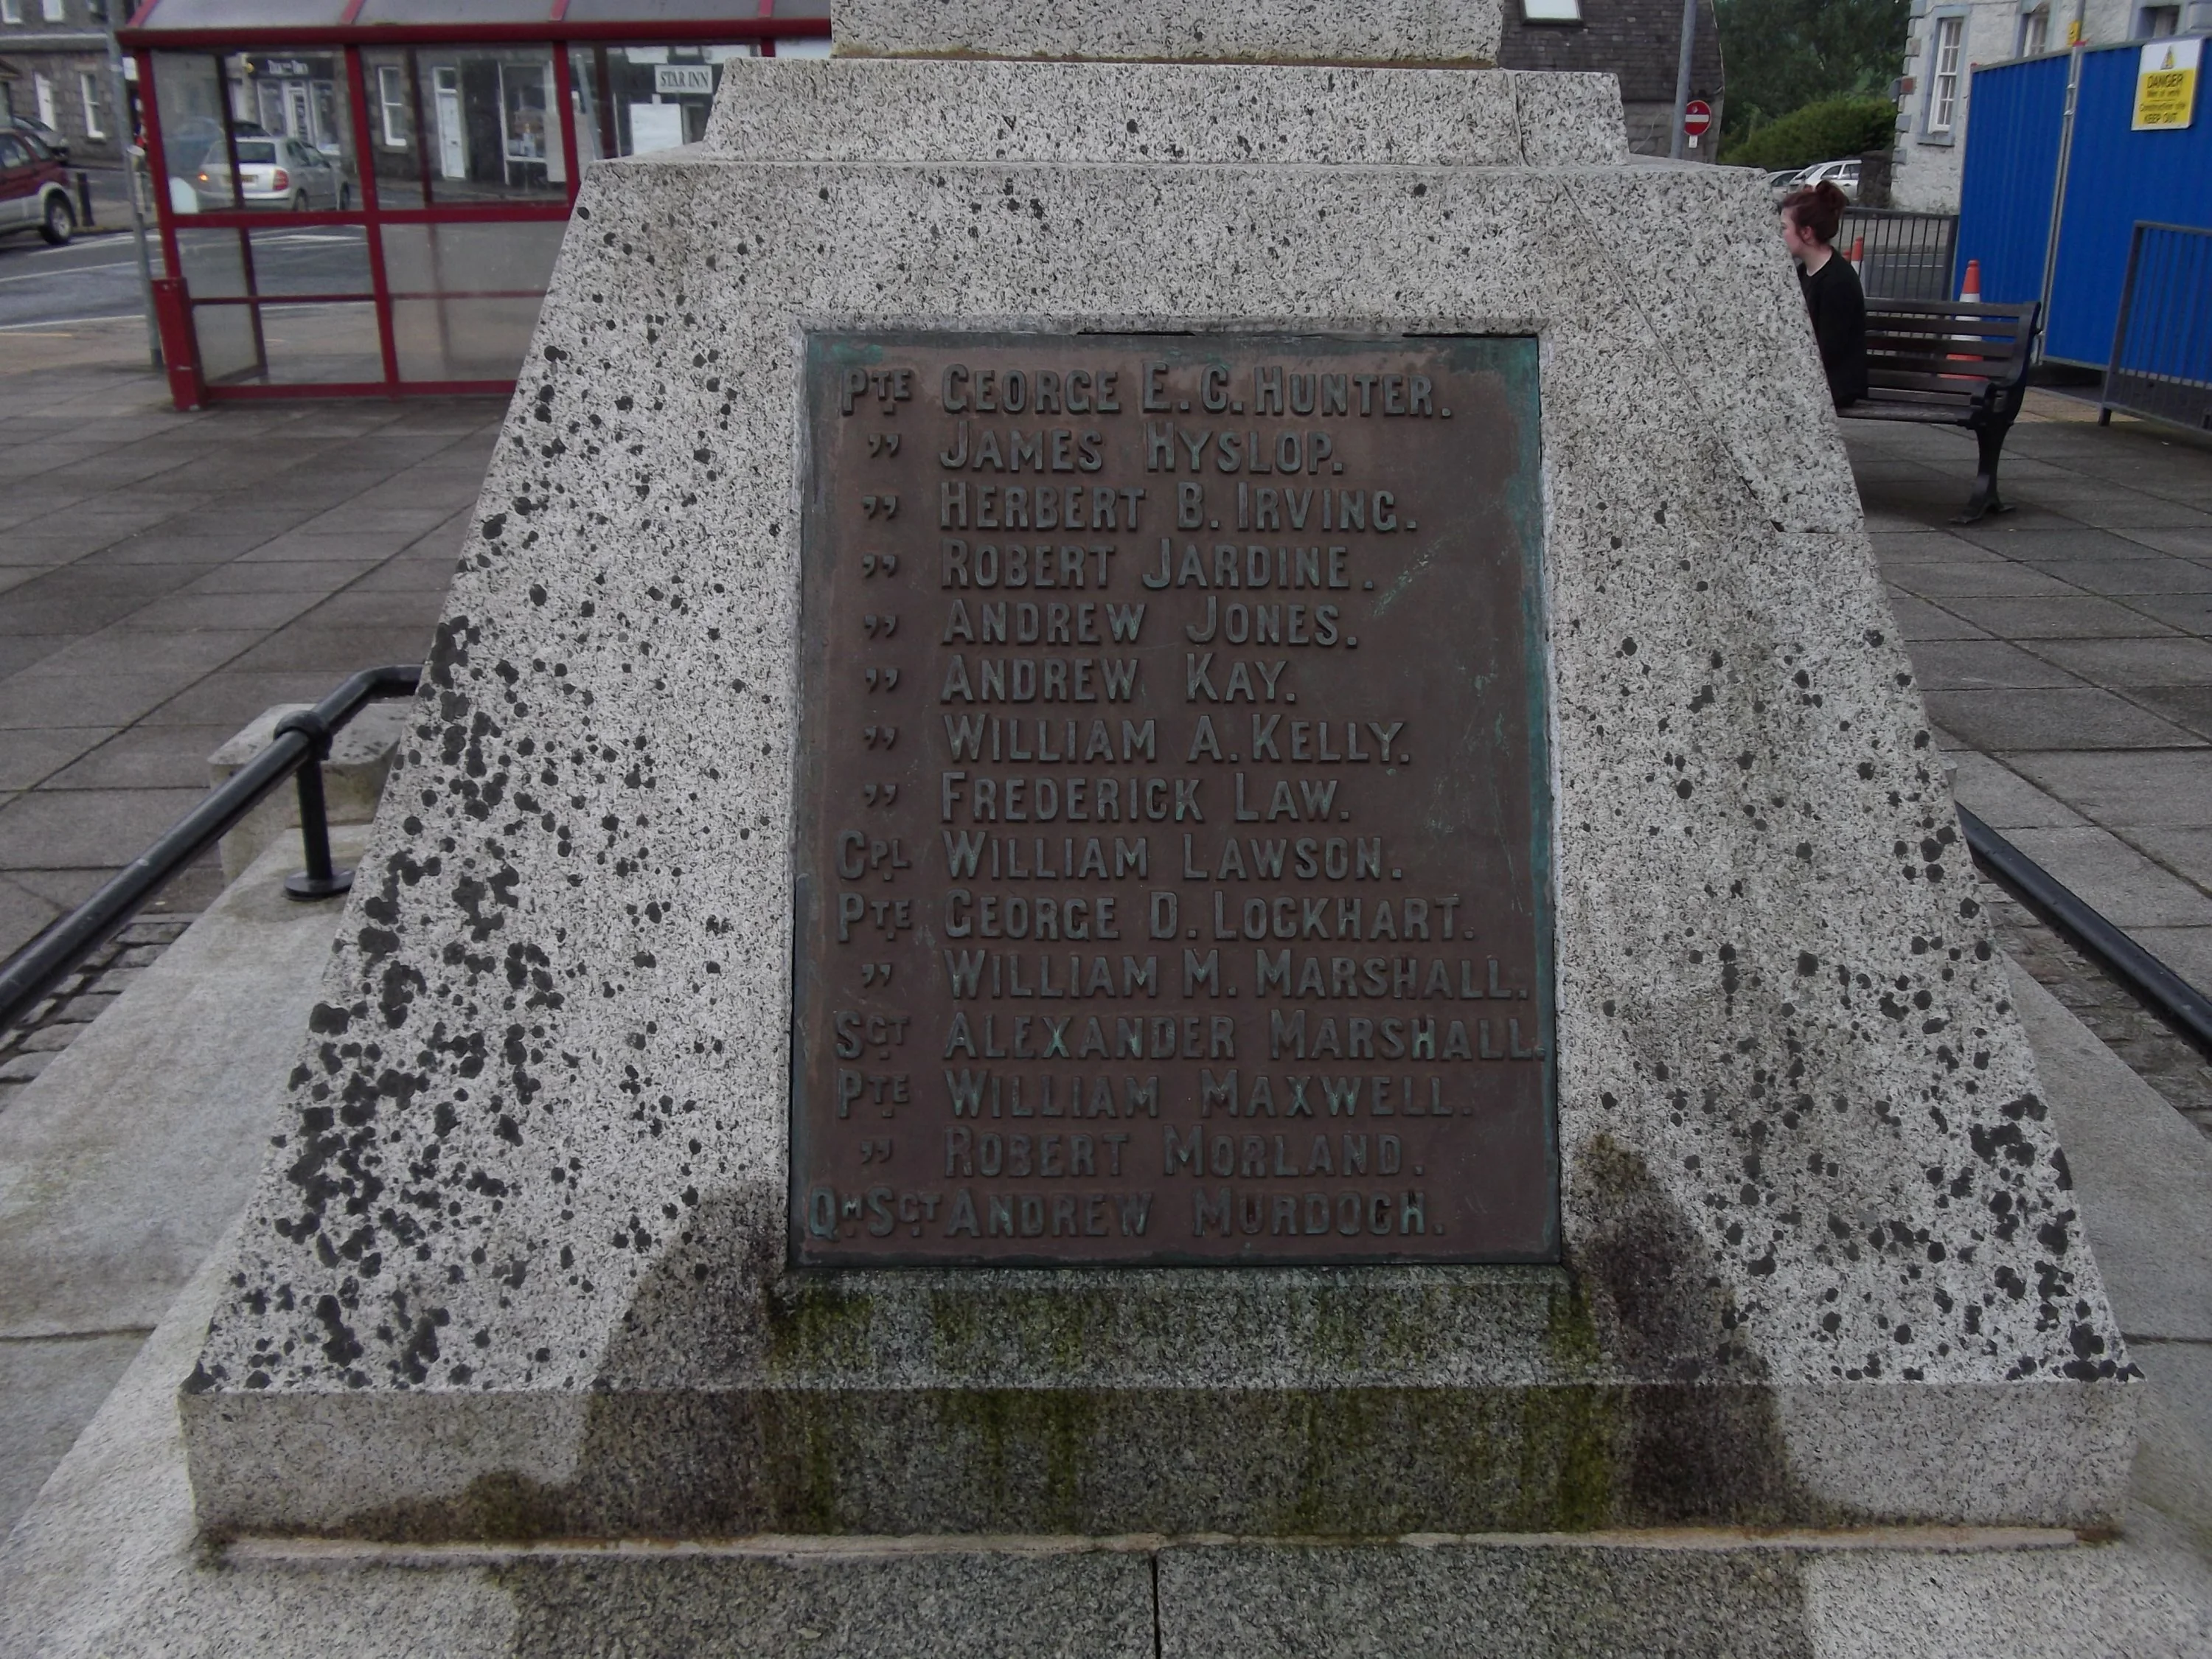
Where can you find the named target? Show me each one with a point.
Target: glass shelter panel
(315, 259)
(321, 344)
(445, 338)
(189, 89)
(507, 258)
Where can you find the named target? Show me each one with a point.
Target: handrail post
(319, 880)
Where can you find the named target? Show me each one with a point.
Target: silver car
(274, 172)
(1844, 175)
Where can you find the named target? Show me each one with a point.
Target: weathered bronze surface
(1173, 857)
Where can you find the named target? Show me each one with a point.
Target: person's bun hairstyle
(1817, 210)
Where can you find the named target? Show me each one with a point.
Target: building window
(2035, 32)
(54, 11)
(392, 104)
(44, 90)
(87, 88)
(1552, 11)
(2156, 22)
(11, 11)
(1943, 78)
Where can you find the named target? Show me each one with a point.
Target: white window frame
(54, 11)
(88, 91)
(1946, 35)
(391, 104)
(11, 11)
(43, 91)
(1551, 11)
(2035, 31)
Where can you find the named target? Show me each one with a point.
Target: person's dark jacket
(1833, 294)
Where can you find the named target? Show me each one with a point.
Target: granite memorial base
(620, 1190)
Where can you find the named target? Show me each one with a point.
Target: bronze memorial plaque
(1174, 873)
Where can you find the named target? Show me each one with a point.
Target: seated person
(1810, 220)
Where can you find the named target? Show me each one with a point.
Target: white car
(273, 172)
(1844, 175)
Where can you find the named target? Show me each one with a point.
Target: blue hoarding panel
(2116, 177)
(2011, 169)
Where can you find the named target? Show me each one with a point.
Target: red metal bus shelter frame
(175, 306)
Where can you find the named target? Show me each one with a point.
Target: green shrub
(1825, 132)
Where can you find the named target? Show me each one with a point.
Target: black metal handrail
(2172, 998)
(301, 737)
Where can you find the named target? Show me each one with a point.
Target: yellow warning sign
(2166, 84)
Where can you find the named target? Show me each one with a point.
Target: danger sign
(2166, 85)
(1697, 116)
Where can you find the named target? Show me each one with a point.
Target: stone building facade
(54, 69)
(1950, 37)
(1637, 41)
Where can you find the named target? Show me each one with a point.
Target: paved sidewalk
(164, 578)
(2066, 648)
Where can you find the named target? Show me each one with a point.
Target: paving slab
(2074, 616)
(126, 1159)
(2189, 706)
(2173, 661)
(2003, 798)
(2115, 878)
(1932, 580)
(1918, 620)
(1975, 665)
(2168, 790)
(2052, 718)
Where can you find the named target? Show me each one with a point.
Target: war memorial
(1167, 884)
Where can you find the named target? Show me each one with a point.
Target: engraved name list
(1173, 855)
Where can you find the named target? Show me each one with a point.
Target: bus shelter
(365, 198)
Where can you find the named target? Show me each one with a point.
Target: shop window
(632, 100)
(490, 124)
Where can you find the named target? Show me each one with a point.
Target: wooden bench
(1949, 363)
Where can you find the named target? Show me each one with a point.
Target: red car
(34, 190)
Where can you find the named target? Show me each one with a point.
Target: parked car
(45, 136)
(273, 172)
(34, 191)
(1844, 175)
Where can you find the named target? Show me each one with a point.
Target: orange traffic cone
(1858, 252)
(1970, 293)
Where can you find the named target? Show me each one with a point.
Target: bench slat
(1953, 309)
(1937, 368)
(1865, 410)
(1922, 345)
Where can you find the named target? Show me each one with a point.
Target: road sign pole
(1682, 74)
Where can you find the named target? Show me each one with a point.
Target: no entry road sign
(1697, 116)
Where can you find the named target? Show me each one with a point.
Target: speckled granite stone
(517, 1264)
(794, 111)
(1459, 32)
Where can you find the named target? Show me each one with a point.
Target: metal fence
(2161, 361)
(1902, 255)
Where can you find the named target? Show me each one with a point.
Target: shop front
(365, 198)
